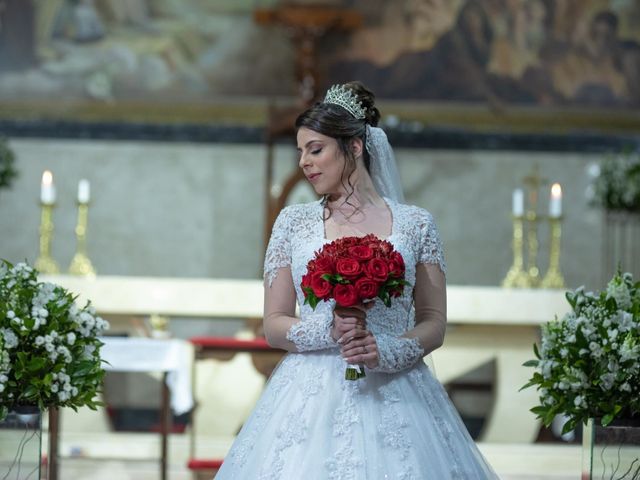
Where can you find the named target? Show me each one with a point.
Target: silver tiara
(343, 96)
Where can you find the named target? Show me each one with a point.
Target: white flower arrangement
(616, 183)
(588, 363)
(49, 348)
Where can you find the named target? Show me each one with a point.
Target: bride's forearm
(430, 297)
(296, 335)
(430, 335)
(276, 327)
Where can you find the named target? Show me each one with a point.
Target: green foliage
(49, 348)
(588, 363)
(7, 160)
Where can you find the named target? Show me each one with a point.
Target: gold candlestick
(516, 276)
(553, 278)
(45, 262)
(80, 264)
(533, 181)
(532, 243)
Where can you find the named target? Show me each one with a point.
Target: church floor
(83, 469)
(131, 456)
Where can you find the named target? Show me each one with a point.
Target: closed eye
(316, 152)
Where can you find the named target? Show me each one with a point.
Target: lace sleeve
(430, 250)
(278, 253)
(397, 353)
(312, 333)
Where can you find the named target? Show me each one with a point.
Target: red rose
(321, 287)
(396, 265)
(349, 241)
(385, 247)
(322, 264)
(377, 269)
(361, 252)
(346, 295)
(367, 288)
(348, 267)
(306, 280)
(328, 250)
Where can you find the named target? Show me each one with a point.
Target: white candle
(518, 202)
(84, 191)
(555, 202)
(47, 189)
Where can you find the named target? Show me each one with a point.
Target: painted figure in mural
(504, 51)
(397, 421)
(455, 68)
(17, 43)
(78, 20)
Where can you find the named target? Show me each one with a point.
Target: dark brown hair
(336, 122)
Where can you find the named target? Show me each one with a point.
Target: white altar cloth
(133, 354)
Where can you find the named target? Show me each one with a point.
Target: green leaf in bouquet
(313, 301)
(29, 322)
(83, 368)
(571, 298)
(608, 418)
(337, 278)
(22, 359)
(530, 363)
(536, 352)
(30, 392)
(539, 410)
(569, 425)
(383, 294)
(36, 364)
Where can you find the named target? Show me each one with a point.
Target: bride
(397, 422)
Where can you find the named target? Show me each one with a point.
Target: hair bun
(367, 100)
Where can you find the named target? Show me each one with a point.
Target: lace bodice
(396, 422)
(299, 232)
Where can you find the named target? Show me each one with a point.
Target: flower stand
(20, 444)
(611, 452)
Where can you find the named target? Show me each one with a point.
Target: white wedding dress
(312, 424)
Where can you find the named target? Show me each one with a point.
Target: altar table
(484, 324)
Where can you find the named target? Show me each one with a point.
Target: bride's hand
(349, 323)
(362, 350)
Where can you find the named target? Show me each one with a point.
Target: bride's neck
(363, 195)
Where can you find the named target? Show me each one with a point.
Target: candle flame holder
(45, 262)
(516, 276)
(81, 264)
(533, 272)
(553, 278)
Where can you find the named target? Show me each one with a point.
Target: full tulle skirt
(310, 423)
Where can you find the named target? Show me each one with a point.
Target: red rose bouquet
(354, 271)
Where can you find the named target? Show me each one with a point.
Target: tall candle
(555, 202)
(47, 189)
(84, 191)
(518, 202)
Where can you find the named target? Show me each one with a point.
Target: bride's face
(322, 161)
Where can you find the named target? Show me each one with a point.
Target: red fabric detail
(229, 343)
(197, 464)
